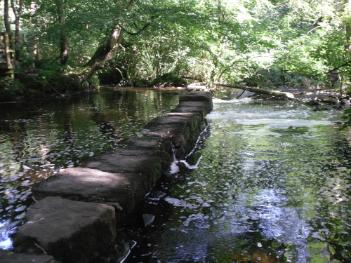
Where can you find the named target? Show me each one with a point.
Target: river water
(273, 185)
(272, 182)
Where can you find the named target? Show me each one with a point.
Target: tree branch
(138, 32)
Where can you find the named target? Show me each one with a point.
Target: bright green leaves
(209, 40)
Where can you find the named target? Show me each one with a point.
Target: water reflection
(37, 139)
(273, 185)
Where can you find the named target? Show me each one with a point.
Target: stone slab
(146, 142)
(147, 164)
(159, 146)
(205, 106)
(188, 107)
(71, 231)
(182, 129)
(197, 96)
(91, 185)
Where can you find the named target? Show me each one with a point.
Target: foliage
(347, 117)
(10, 89)
(276, 43)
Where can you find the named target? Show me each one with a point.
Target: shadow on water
(37, 140)
(273, 185)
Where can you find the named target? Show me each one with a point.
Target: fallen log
(275, 93)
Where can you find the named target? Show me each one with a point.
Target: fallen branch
(275, 93)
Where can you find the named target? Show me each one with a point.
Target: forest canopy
(290, 43)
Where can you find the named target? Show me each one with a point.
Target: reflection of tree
(105, 126)
(68, 137)
(16, 133)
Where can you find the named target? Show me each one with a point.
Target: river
(272, 185)
(272, 182)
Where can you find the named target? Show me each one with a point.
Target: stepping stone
(145, 163)
(124, 190)
(181, 128)
(193, 106)
(71, 231)
(197, 96)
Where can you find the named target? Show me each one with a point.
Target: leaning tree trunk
(104, 52)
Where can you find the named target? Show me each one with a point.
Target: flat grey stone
(197, 96)
(191, 108)
(11, 257)
(92, 185)
(147, 164)
(71, 231)
(207, 107)
(125, 161)
(145, 143)
(182, 129)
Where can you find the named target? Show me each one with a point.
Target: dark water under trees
(273, 184)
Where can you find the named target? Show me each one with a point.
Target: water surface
(273, 185)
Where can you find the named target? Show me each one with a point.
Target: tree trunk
(347, 11)
(7, 19)
(64, 52)
(105, 51)
(17, 10)
(348, 37)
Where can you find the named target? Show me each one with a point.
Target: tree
(17, 8)
(7, 23)
(63, 43)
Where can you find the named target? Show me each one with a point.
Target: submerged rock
(148, 219)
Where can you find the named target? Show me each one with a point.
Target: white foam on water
(5, 232)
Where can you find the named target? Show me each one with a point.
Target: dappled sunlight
(93, 176)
